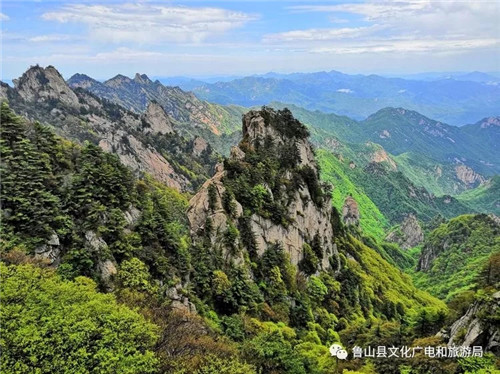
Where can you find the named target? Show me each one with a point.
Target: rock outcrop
(455, 236)
(381, 156)
(409, 234)
(157, 120)
(305, 218)
(50, 251)
(350, 212)
(472, 330)
(135, 94)
(468, 176)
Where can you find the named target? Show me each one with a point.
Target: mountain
(147, 142)
(385, 195)
(357, 96)
(134, 94)
(454, 253)
(257, 266)
(442, 158)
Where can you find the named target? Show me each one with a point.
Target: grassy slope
(372, 221)
(485, 198)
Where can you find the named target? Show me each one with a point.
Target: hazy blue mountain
(456, 101)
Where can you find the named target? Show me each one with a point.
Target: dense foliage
(458, 250)
(54, 326)
(86, 200)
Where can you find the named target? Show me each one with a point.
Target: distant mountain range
(457, 100)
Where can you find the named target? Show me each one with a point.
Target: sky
(223, 38)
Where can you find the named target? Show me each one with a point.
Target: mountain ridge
(451, 101)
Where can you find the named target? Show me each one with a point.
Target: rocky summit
(146, 142)
(305, 213)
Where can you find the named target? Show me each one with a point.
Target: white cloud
(401, 26)
(345, 90)
(147, 23)
(403, 46)
(320, 35)
(50, 38)
(4, 17)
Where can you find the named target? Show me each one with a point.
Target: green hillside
(485, 198)
(455, 252)
(372, 221)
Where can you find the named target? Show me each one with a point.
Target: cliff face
(473, 329)
(409, 234)
(43, 84)
(282, 206)
(146, 143)
(468, 176)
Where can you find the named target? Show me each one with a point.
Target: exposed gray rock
(468, 176)
(42, 94)
(136, 155)
(132, 216)
(42, 84)
(200, 145)
(307, 219)
(179, 301)
(50, 251)
(408, 235)
(94, 243)
(157, 119)
(350, 212)
(107, 270)
(470, 329)
(237, 153)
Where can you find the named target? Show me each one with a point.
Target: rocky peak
(489, 122)
(40, 84)
(282, 128)
(409, 234)
(157, 120)
(290, 209)
(81, 81)
(118, 81)
(142, 79)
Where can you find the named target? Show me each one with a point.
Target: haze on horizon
(223, 38)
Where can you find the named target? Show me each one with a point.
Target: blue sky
(214, 38)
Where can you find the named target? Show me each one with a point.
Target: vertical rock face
(350, 212)
(306, 216)
(409, 234)
(471, 329)
(157, 119)
(200, 145)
